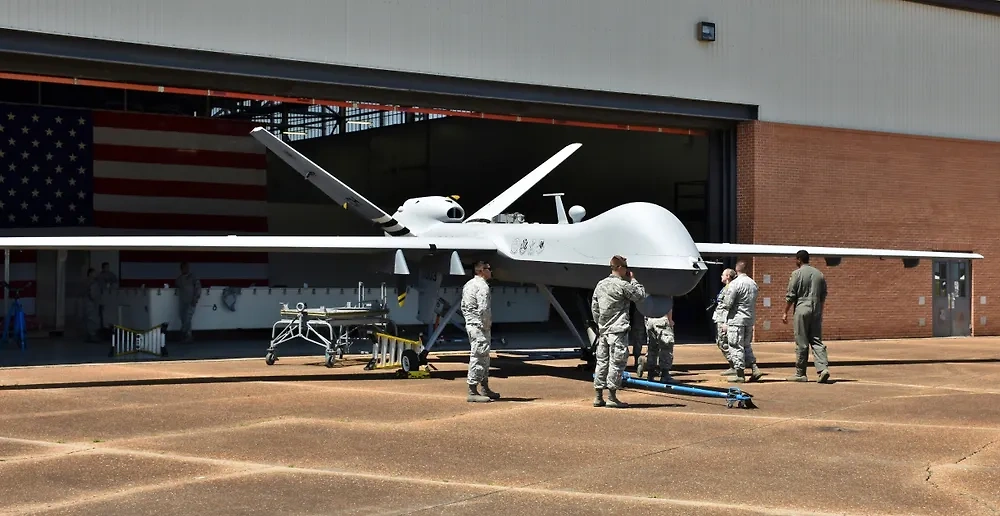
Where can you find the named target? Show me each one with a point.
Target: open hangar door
(476, 159)
(676, 153)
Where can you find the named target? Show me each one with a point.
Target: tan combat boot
(599, 397)
(800, 376)
(613, 400)
(474, 396)
(486, 390)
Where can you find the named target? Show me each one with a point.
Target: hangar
(764, 122)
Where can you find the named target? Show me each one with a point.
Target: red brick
(800, 185)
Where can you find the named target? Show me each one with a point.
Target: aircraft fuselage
(658, 247)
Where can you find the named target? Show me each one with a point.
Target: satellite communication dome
(576, 213)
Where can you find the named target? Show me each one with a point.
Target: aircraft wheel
(269, 359)
(329, 360)
(410, 361)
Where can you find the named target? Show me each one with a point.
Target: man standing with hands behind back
(807, 293)
(610, 307)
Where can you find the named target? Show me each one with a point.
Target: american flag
(62, 169)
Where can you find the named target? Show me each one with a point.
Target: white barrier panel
(126, 341)
(257, 307)
(388, 350)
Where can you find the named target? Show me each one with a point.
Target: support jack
(734, 396)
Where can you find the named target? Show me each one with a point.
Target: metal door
(952, 300)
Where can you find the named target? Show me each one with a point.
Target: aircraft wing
(334, 188)
(272, 244)
(516, 190)
(709, 249)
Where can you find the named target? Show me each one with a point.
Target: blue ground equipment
(734, 396)
(14, 325)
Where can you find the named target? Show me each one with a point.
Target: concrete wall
(828, 187)
(885, 65)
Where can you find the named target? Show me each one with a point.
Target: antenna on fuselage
(560, 209)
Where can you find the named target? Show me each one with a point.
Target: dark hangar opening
(390, 156)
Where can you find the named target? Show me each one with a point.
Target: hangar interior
(685, 163)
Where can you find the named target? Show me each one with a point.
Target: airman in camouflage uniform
(188, 294)
(91, 310)
(107, 281)
(741, 312)
(610, 309)
(478, 314)
(658, 314)
(719, 317)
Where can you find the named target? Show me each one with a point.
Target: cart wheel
(410, 361)
(269, 359)
(329, 360)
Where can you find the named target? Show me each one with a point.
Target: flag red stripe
(185, 124)
(191, 257)
(157, 188)
(163, 156)
(209, 282)
(179, 221)
(27, 292)
(25, 256)
(30, 323)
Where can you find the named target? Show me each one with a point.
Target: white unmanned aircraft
(434, 234)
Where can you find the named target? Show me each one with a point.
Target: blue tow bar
(734, 396)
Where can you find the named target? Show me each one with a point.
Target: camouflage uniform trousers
(637, 335)
(479, 356)
(740, 349)
(722, 340)
(612, 356)
(90, 311)
(660, 344)
(186, 309)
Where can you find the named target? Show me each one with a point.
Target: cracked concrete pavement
(909, 427)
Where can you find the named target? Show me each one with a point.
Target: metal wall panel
(885, 65)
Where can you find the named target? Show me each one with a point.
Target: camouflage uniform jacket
(476, 302)
(610, 303)
(740, 301)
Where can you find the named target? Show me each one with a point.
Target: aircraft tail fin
(329, 184)
(505, 199)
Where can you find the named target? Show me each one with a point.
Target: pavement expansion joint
(278, 420)
(111, 494)
(247, 468)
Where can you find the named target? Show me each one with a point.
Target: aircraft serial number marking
(527, 246)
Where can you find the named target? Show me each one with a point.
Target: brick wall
(830, 187)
